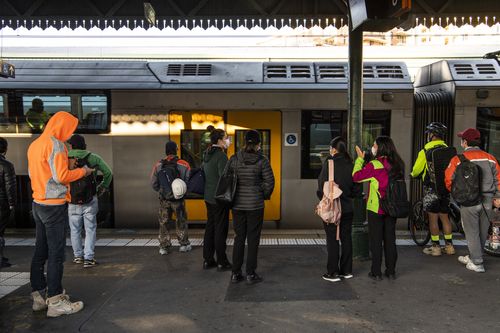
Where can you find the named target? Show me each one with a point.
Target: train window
(37, 109)
(488, 123)
(94, 113)
(3, 103)
(320, 127)
(265, 145)
(193, 145)
(7, 125)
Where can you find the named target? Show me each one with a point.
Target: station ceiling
(222, 13)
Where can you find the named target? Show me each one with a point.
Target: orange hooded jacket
(48, 161)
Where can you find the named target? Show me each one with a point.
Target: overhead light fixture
(149, 13)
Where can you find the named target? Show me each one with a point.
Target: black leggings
(382, 234)
(342, 250)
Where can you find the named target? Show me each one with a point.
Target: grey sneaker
(475, 268)
(61, 305)
(39, 302)
(163, 251)
(185, 248)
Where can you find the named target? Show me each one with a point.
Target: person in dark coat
(214, 241)
(8, 190)
(343, 165)
(255, 183)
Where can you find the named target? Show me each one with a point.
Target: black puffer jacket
(8, 187)
(255, 180)
(343, 177)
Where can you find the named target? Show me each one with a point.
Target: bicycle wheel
(419, 225)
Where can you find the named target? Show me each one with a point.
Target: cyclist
(435, 204)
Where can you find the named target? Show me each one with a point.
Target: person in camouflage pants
(165, 217)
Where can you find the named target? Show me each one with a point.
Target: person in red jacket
(475, 219)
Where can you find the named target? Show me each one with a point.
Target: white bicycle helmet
(179, 188)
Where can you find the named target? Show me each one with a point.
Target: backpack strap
(462, 158)
(330, 170)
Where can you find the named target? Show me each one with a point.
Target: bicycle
(419, 222)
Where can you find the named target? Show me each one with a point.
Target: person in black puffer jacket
(343, 177)
(8, 190)
(214, 241)
(255, 183)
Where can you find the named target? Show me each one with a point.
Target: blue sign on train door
(291, 139)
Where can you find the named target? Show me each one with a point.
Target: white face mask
(227, 143)
(374, 151)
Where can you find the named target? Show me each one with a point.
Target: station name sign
(7, 70)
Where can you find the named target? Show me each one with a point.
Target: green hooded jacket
(97, 163)
(214, 162)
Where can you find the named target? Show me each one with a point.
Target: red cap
(470, 134)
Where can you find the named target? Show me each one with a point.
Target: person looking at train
(37, 117)
(435, 203)
(83, 207)
(478, 181)
(48, 167)
(169, 178)
(8, 191)
(381, 226)
(214, 241)
(343, 166)
(255, 183)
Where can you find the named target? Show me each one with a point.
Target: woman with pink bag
(339, 265)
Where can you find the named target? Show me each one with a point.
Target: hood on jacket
(249, 158)
(61, 126)
(211, 153)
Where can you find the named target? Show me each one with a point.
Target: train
(129, 109)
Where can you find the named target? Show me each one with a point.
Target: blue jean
(50, 222)
(83, 216)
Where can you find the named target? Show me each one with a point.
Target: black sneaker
(78, 260)
(331, 277)
(209, 264)
(346, 276)
(236, 277)
(253, 278)
(5, 263)
(375, 277)
(89, 263)
(224, 267)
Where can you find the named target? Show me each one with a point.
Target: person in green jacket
(214, 163)
(435, 205)
(85, 214)
(36, 117)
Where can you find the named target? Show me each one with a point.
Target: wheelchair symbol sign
(291, 139)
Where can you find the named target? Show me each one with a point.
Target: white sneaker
(185, 248)
(39, 302)
(464, 259)
(61, 305)
(475, 268)
(163, 252)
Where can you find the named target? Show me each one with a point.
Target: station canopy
(220, 14)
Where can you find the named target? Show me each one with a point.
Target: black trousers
(382, 236)
(51, 225)
(4, 220)
(214, 241)
(342, 250)
(247, 226)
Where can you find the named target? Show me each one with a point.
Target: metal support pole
(354, 131)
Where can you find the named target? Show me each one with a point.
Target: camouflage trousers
(165, 218)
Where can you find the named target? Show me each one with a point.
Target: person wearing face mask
(343, 166)
(475, 216)
(381, 226)
(214, 162)
(435, 204)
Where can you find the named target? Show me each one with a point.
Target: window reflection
(488, 123)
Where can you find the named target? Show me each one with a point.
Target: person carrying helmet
(435, 201)
(169, 178)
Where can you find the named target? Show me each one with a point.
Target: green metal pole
(354, 131)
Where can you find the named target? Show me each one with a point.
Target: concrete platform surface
(136, 290)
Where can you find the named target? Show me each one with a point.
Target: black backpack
(438, 159)
(466, 185)
(166, 175)
(395, 203)
(84, 189)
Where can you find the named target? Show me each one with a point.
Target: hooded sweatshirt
(95, 162)
(214, 162)
(48, 161)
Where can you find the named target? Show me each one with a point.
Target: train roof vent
(463, 69)
(331, 72)
(485, 69)
(283, 72)
(189, 69)
(383, 72)
(469, 69)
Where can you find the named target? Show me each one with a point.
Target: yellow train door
(188, 130)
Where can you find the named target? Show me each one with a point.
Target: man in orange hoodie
(50, 177)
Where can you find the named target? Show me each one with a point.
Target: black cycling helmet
(436, 128)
